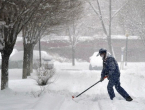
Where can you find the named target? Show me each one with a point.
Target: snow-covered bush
(43, 75)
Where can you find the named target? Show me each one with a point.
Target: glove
(108, 77)
(101, 79)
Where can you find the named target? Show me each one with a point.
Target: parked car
(96, 62)
(16, 60)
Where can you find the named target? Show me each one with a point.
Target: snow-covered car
(16, 60)
(96, 62)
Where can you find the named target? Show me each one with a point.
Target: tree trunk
(31, 59)
(110, 23)
(110, 45)
(73, 56)
(4, 70)
(27, 64)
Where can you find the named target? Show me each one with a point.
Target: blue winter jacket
(110, 68)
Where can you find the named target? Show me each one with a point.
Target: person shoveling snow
(111, 70)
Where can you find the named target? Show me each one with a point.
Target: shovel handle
(88, 88)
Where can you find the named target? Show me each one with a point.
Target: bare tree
(73, 39)
(72, 29)
(111, 16)
(57, 13)
(134, 18)
(16, 14)
(32, 32)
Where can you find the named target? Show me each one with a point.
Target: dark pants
(119, 89)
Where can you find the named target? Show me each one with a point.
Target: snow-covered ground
(68, 81)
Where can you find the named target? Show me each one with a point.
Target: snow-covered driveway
(58, 95)
(51, 101)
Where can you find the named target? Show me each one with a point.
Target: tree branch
(119, 10)
(94, 9)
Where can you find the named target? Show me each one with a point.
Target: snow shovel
(87, 89)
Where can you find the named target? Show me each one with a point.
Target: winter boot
(129, 99)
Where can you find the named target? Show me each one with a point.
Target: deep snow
(69, 81)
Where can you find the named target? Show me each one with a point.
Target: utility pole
(40, 49)
(40, 52)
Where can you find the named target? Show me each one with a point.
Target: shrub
(43, 74)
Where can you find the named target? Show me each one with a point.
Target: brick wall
(84, 50)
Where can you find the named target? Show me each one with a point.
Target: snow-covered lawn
(69, 81)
